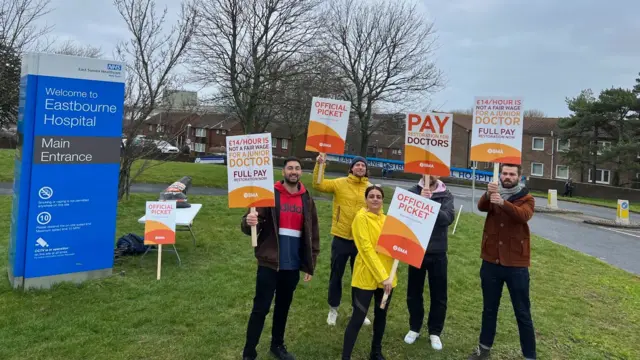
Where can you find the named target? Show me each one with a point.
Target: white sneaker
(411, 337)
(436, 344)
(333, 315)
(367, 321)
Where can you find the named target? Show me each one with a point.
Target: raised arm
(362, 239)
(520, 213)
(484, 204)
(327, 186)
(447, 212)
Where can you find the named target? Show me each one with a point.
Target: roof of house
(206, 120)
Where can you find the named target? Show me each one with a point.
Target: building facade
(542, 148)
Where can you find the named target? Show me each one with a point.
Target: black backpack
(131, 244)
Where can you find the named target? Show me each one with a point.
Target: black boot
(280, 352)
(480, 353)
(376, 356)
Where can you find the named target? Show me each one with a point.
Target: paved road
(618, 247)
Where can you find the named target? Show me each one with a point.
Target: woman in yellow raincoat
(371, 274)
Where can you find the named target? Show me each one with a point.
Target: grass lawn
(582, 307)
(613, 204)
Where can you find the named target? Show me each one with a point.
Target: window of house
(602, 176)
(379, 150)
(603, 146)
(284, 144)
(396, 152)
(537, 144)
(224, 132)
(150, 127)
(562, 172)
(563, 145)
(200, 132)
(200, 147)
(217, 132)
(160, 128)
(537, 169)
(274, 142)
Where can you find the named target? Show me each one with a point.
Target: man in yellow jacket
(348, 199)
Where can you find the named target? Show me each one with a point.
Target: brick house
(202, 133)
(542, 148)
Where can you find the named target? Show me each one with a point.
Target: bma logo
(115, 67)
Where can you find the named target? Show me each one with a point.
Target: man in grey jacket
(434, 264)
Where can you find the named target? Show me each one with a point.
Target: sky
(542, 50)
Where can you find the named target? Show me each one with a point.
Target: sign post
(407, 230)
(497, 131)
(160, 226)
(67, 163)
(552, 199)
(327, 131)
(622, 213)
(250, 173)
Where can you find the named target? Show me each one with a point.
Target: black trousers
(493, 277)
(361, 300)
(435, 266)
(341, 251)
(268, 281)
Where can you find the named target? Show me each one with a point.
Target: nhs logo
(115, 67)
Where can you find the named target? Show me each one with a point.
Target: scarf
(440, 186)
(507, 193)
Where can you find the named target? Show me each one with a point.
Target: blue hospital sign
(66, 170)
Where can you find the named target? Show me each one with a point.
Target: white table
(184, 222)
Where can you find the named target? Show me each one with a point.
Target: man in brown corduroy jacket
(506, 257)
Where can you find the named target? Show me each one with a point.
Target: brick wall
(536, 150)
(460, 147)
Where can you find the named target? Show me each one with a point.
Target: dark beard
(286, 180)
(511, 185)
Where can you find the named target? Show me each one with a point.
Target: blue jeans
(493, 277)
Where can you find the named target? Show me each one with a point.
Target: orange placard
(250, 171)
(328, 123)
(160, 223)
(497, 130)
(427, 148)
(407, 230)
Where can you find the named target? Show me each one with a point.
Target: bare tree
(71, 48)
(18, 32)
(384, 51)
(534, 113)
(18, 19)
(468, 111)
(241, 47)
(311, 77)
(152, 55)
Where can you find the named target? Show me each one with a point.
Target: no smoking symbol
(45, 193)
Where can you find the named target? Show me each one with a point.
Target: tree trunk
(124, 180)
(364, 144)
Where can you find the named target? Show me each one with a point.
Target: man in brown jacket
(506, 257)
(288, 242)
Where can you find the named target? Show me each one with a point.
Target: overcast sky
(542, 50)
